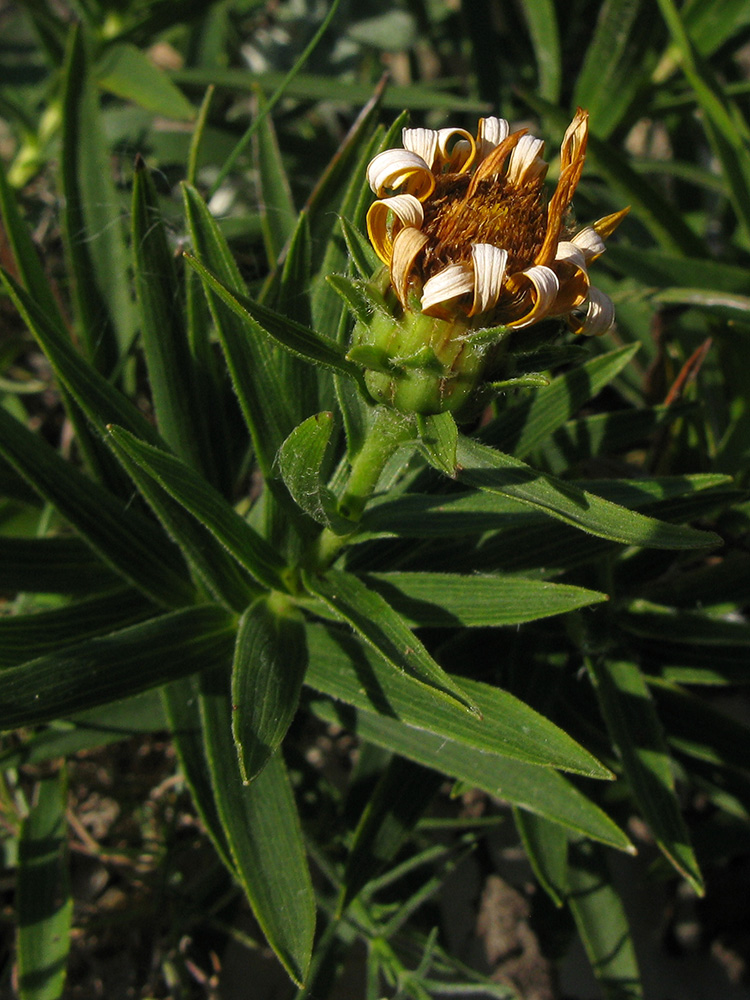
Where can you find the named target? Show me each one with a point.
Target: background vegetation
(166, 479)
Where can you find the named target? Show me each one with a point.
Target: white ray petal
(546, 287)
(526, 161)
(400, 168)
(569, 253)
(448, 284)
(461, 155)
(489, 272)
(490, 133)
(422, 141)
(387, 217)
(590, 243)
(407, 245)
(600, 314)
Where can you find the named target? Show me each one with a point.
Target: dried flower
(469, 240)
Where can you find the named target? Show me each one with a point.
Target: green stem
(388, 431)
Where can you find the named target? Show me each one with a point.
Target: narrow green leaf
(344, 669)
(25, 254)
(602, 923)
(263, 830)
(725, 124)
(98, 727)
(401, 796)
(541, 18)
(127, 541)
(292, 336)
(252, 358)
(537, 789)
(162, 324)
(43, 901)
(311, 87)
(270, 660)
(100, 401)
(487, 469)
(106, 668)
(546, 846)
(181, 701)
(450, 599)
(92, 219)
(520, 428)
(384, 629)
(275, 203)
(205, 505)
(301, 459)
(636, 732)
(58, 565)
(615, 64)
(127, 72)
(30, 635)
(364, 258)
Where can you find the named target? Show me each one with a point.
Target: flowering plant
(335, 503)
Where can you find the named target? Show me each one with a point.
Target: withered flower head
(473, 251)
(464, 227)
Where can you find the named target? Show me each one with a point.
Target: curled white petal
(526, 161)
(491, 132)
(422, 141)
(407, 245)
(461, 154)
(387, 217)
(448, 284)
(489, 272)
(546, 287)
(590, 242)
(569, 253)
(395, 168)
(600, 314)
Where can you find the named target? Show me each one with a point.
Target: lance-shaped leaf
(129, 73)
(449, 599)
(43, 901)
(163, 330)
(95, 394)
(263, 832)
(127, 541)
(115, 666)
(487, 469)
(346, 670)
(546, 846)
(540, 790)
(275, 202)
(25, 254)
(636, 732)
(92, 217)
(402, 794)
(211, 563)
(25, 636)
(57, 565)
(602, 923)
(205, 505)
(384, 629)
(438, 437)
(270, 660)
(301, 460)
(522, 427)
(292, 336)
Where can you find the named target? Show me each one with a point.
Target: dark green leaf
(263, 830)
(636, 732)
(43, 901)
(602, 923)
(59, 565)
(128, 72)
(546, 846)
(301, 459)
(375, 620)
(106, 668)
(344, 669)
(127, 541)
(270, 660)
(205, 505)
